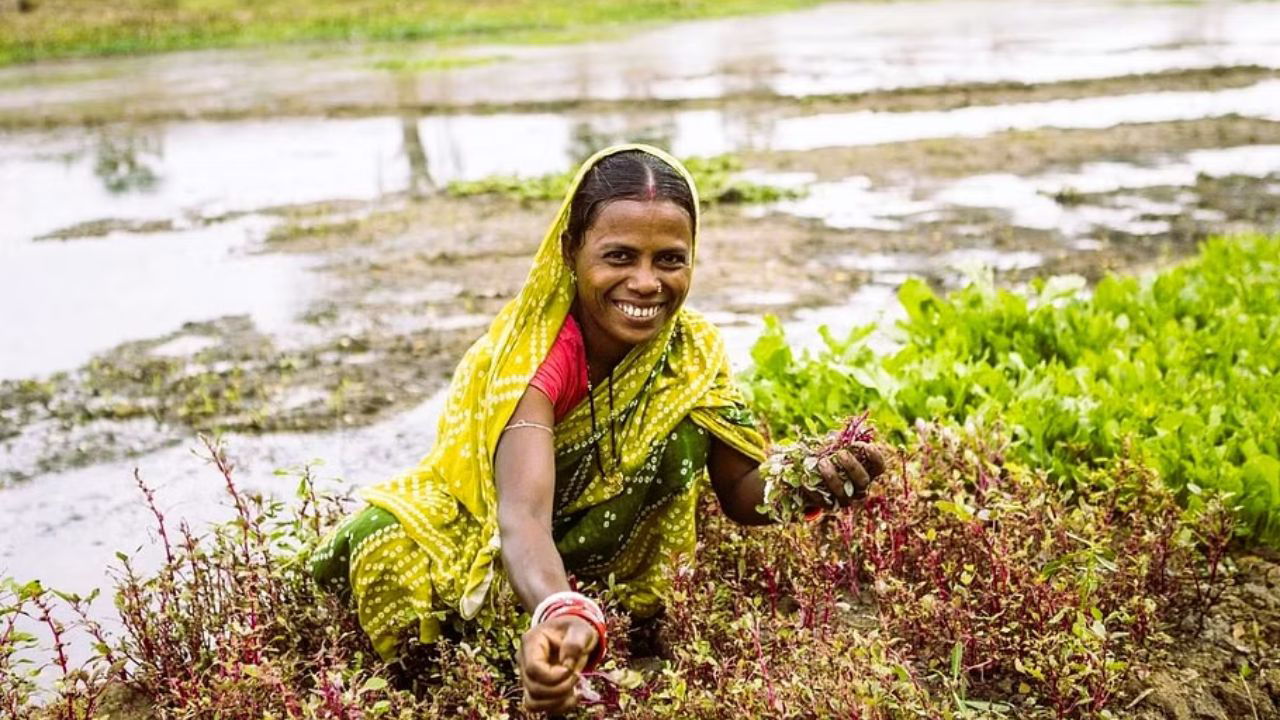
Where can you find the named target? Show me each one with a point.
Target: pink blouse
(563, 375)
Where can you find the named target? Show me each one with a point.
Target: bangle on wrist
(572, 603)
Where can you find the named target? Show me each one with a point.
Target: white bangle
(527, 424)
(537, 617)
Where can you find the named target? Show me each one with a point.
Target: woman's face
(634, 267)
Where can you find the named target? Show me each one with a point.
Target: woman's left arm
(738, 485)
(740, 489)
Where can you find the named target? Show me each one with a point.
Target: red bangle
(602, 634)
(572, 603)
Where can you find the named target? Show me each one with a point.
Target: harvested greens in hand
(791, 470)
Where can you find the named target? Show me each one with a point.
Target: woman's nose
(644, 281)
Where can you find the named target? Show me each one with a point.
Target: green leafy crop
(1184, 366)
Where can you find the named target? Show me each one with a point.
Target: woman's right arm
(552, 653)
(525, 468)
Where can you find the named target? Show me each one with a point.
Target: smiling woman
(576, 438)
(629, 247)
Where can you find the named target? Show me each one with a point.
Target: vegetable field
(1078, 484)
(1182, 371)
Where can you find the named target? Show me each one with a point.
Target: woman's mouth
(638, 312)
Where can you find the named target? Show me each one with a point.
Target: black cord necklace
(613, 438)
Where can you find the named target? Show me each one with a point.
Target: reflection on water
(212, 168)
(587, 137)
(125, 162)
(208, 169)
(82, 297)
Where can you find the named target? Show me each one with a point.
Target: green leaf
(373, 684)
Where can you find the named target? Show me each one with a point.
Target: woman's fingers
(546, 682)
(834, 479)
(854, 470)
(551, 705)
(871, 458)
(844, 477)
(578, 641)
(551, 656)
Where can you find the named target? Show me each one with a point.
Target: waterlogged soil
(1019, 152)
(757, 101)
(832, 50)
(409, 287)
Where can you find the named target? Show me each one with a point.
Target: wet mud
(835, 49)
(409, 287)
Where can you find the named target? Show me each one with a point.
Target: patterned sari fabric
(429, 544)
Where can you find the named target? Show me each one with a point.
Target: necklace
(613, 438)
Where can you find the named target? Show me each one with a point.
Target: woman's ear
(566, 249)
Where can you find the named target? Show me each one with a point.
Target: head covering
(682, 372)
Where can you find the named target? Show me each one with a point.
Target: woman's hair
(627, 175)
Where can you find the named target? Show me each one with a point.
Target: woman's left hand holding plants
(831, 472)
(846, 475)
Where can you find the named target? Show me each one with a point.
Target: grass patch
(716, 178)
(77, 28)
(436, 63)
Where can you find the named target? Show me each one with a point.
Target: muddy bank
(1019, 152)
(750, 101)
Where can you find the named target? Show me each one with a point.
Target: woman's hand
(845, 478)
(551, 656)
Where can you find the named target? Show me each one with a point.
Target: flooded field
(259, 241)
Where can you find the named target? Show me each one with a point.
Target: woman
(574, 439)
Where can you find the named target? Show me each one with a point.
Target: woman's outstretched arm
(524, 465)
(552, 653)
(738, 485)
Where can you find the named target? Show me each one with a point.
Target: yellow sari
(431, 545)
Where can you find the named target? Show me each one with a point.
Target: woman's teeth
(638, 312)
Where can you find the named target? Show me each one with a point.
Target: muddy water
(1028, 202)
(90, 296)
(190, 172)
(147, 226)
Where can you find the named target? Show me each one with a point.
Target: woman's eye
(616, 256)
(675, 259)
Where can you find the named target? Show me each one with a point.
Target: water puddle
(202, 170)
(874, 128)
(65, 528)
(85, 296)
(1030, 201)
(191, 171)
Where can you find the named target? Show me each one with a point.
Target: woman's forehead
(641, 217)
